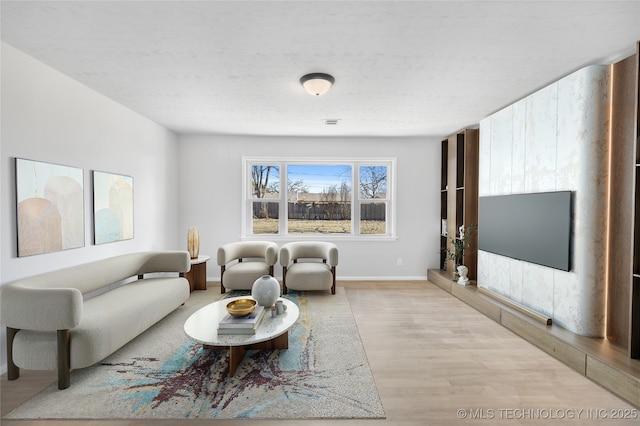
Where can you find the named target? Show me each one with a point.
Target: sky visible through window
(320, 177)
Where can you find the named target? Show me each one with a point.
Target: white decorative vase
(463, 271)
(266, 290)
(193, 242)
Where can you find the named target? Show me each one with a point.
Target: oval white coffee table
(272, 333)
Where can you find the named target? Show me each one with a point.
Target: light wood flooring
(436, 361)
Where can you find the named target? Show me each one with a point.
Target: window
(311, 197)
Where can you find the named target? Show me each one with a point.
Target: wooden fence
(319, 211)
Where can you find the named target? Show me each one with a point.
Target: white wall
(211, 196)
(49, 117)
(555, 139)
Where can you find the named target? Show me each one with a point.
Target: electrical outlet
(399, 261)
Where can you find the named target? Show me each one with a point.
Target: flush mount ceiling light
(317, 83)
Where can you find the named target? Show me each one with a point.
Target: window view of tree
(373, 182)
(261, 184)
(373, 186)
(319, 198)
(265, 184)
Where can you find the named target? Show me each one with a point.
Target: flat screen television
(533, 227)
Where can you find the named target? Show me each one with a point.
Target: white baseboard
(379, 278)
(341, 278)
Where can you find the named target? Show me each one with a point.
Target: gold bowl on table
(241, 307)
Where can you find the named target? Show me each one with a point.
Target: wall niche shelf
(459, 195)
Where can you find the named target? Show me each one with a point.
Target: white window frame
(356, 201)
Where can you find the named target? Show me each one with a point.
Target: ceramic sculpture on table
(266, 290)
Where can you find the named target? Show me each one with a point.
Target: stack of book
(242, 325)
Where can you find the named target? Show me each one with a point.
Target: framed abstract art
(50, 207)
(112, 207)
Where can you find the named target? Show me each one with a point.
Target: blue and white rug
(163, 374)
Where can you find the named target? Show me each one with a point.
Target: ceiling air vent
(331, 121)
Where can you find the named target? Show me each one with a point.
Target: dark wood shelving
(634, 310)
(460, 206)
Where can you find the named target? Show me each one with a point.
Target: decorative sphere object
(266, 290)
(241, 307)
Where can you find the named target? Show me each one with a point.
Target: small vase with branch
(456, 251)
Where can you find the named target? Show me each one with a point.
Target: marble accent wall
(556, 139)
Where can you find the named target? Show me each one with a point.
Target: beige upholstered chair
(309, 265)
(243, 262)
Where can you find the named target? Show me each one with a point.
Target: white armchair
(309, 265)
(243, 262)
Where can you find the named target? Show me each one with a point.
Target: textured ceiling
(401, 68)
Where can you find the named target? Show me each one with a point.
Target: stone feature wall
(556, 139)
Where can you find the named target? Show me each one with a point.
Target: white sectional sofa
(53, 322)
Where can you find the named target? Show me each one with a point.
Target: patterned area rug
(163, 374)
